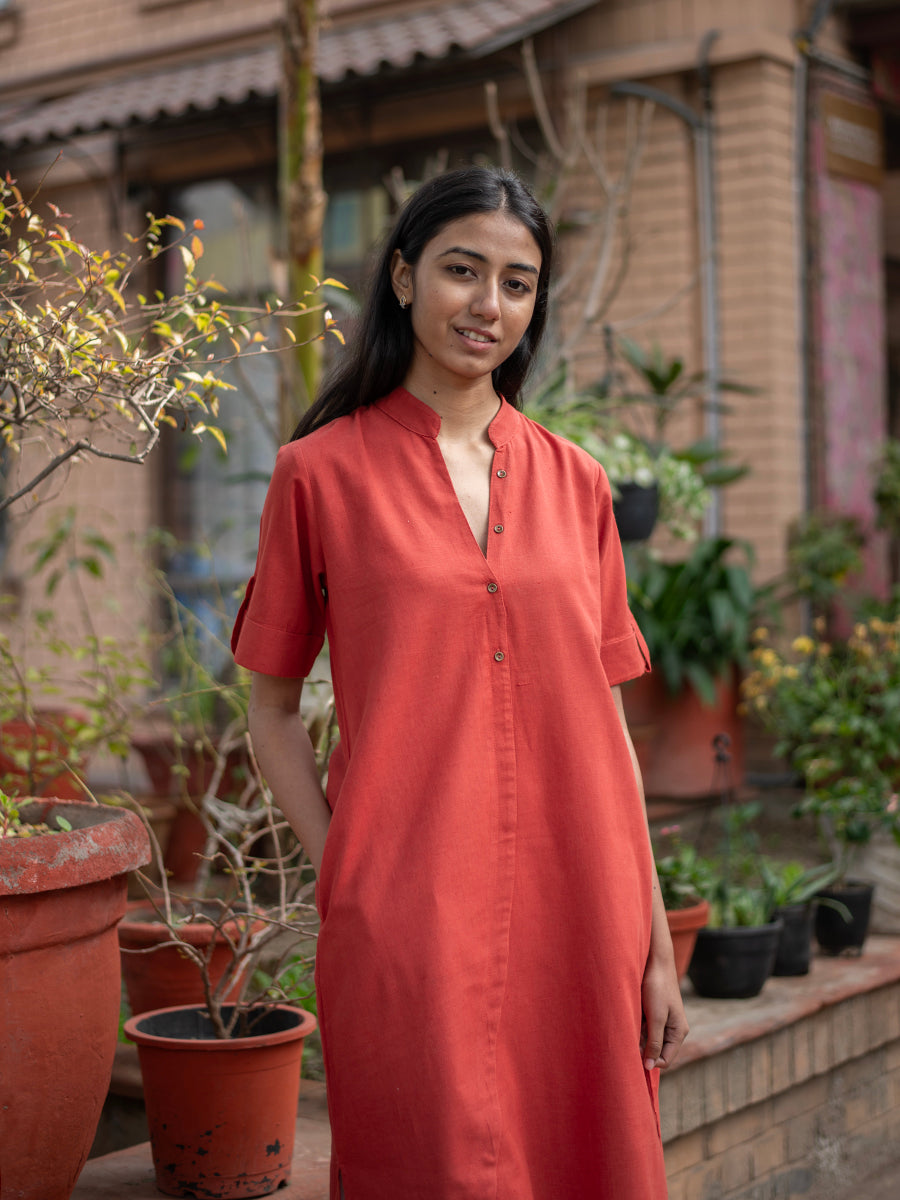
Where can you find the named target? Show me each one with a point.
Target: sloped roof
(364, 45)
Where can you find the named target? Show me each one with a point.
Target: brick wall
(806, 1104)
(62, 35)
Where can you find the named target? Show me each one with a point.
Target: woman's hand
(664, 1026)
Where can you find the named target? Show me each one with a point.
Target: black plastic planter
(834, 933)
(795, 943)
(733, 964)
(636, 511)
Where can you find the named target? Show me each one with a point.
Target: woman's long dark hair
(383, 344)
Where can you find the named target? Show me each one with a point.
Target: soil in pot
(795, 943)
(734, 964)
(222, 1113)
(834, 933)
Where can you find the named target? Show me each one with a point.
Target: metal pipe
(701, 126)
(709, 254)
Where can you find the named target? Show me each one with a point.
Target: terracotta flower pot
(222, 1113)
(167, 977)
(684, 925)
(187, 771)
(183, 775)
(61, 896)
(673, 735)
(47, 747)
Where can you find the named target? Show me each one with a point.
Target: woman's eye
(518, 285)
(460, 269)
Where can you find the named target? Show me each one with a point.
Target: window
(212, 500)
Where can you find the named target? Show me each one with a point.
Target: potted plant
(793, 891)
(91, 370)
(220, 1126)
(679, 869)
(824, 550)
(648, 481)
(179, 740)
(696, 615)
(63, 874)
(735, 951)
(832, 705)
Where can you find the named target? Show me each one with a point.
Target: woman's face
(471, 298)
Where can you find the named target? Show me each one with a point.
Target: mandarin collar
(408, 410)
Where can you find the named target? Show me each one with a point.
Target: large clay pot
(734, 963)
(673, 735)
(44, 742)
(183, 774)
(61, 896)
(222, 1113)
(188, 770)
(166, 977)
(684, 925)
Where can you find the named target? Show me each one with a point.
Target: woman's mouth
(475, 335)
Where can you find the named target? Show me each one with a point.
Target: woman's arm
(287, 761)
(665, 1025)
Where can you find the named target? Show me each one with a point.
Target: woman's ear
(401, 277)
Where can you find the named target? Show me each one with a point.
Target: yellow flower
(761, 634)
(791, 672)
(803, 645)
(861, 631)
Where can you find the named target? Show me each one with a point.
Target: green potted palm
(696, 615)
(832, 705)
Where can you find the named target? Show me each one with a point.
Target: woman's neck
(464, 413)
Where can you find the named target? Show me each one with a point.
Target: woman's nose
(487, 300)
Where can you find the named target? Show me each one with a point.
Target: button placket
(493, 588)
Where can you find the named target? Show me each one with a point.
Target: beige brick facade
(48, 47)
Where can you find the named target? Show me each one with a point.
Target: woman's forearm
(660, 938)
(287, 760)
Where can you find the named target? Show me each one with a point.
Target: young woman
(495, 982)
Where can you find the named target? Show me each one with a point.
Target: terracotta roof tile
(363, 44)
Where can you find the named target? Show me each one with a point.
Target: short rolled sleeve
(623, 651)
(280, 627)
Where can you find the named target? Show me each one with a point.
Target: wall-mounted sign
(854, 145)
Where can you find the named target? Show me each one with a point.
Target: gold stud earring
(403, 302)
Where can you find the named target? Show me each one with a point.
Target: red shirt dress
(485, 891)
